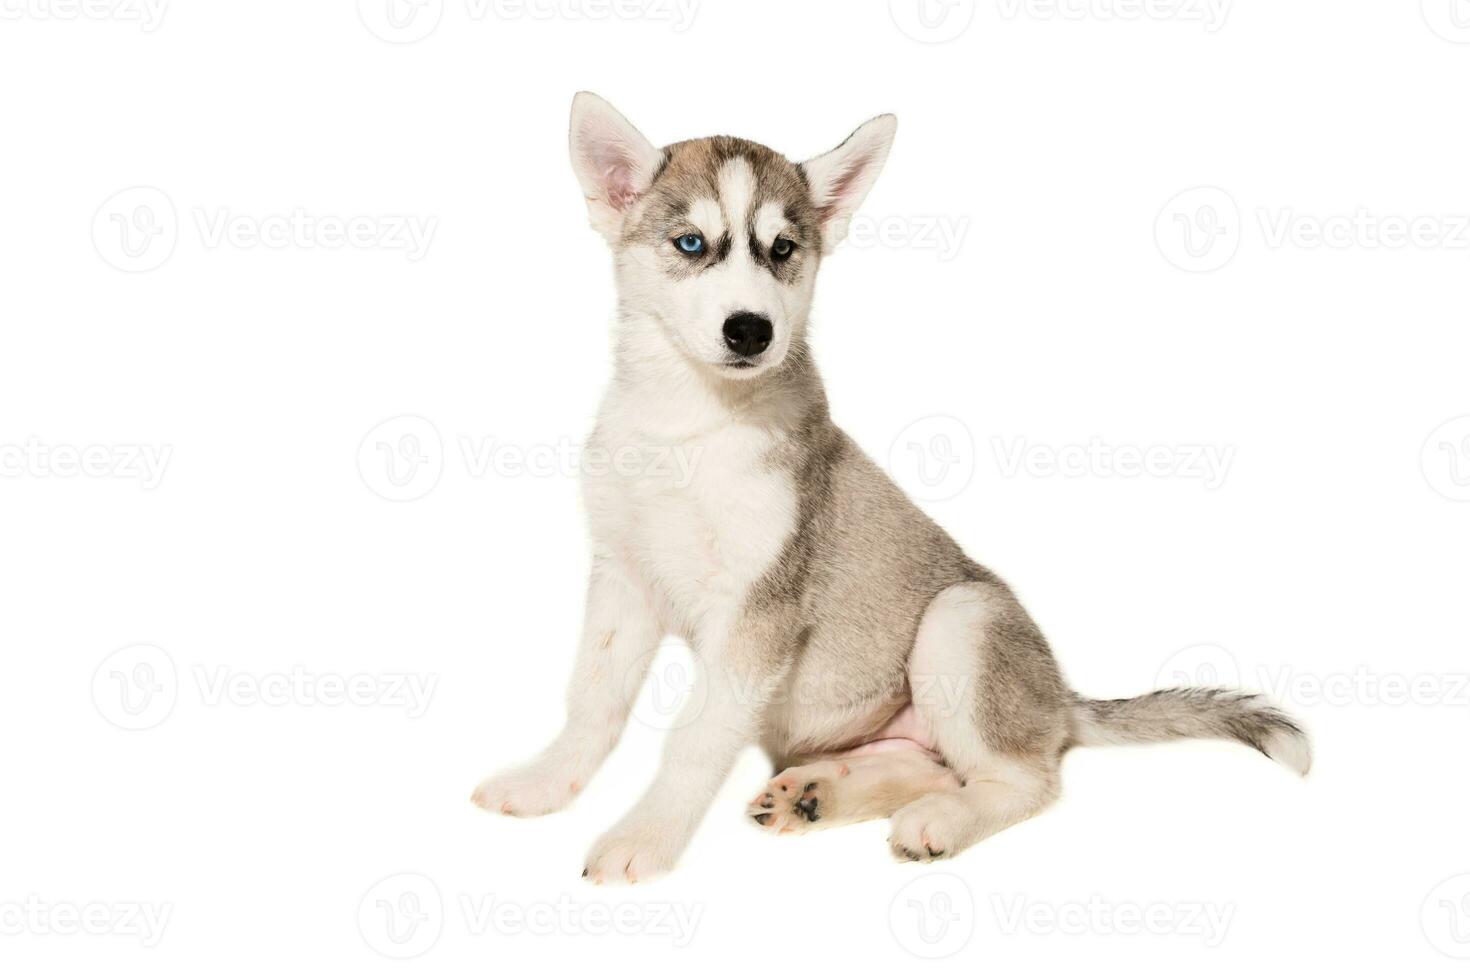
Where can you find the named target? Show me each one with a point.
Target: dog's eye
(690, 244)
(782, 248)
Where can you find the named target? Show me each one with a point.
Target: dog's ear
(841, 178)
(613, 162)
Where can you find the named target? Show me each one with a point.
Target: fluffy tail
(1195, 712)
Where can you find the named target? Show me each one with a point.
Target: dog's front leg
(743, 667)
(620, 635)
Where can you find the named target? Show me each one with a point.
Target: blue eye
(689, 244)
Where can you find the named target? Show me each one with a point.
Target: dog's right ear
(613, 162)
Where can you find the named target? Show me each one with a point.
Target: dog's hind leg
(833, 791)
(942, 824)
(986, 686)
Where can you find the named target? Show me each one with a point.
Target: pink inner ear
(618, 179)
(842, 185)
(612, 161)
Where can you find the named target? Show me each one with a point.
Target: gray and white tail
(1195, 712)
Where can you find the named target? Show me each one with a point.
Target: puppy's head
(718, 240)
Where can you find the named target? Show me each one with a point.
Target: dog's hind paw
(797, 798)
(929, 829)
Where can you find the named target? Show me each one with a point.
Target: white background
(1325, 563)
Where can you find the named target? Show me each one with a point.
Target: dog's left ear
(614, 163)
(841, 178)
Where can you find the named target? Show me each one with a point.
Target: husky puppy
(884, 672)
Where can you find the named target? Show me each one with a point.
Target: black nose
(747, 334)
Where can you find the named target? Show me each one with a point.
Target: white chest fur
(700, 513)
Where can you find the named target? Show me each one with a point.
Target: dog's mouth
(743, 368)
(735, 366)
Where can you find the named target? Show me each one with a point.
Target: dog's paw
(929, 829)
(628, 854)
(797, 798)
(531, 791)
